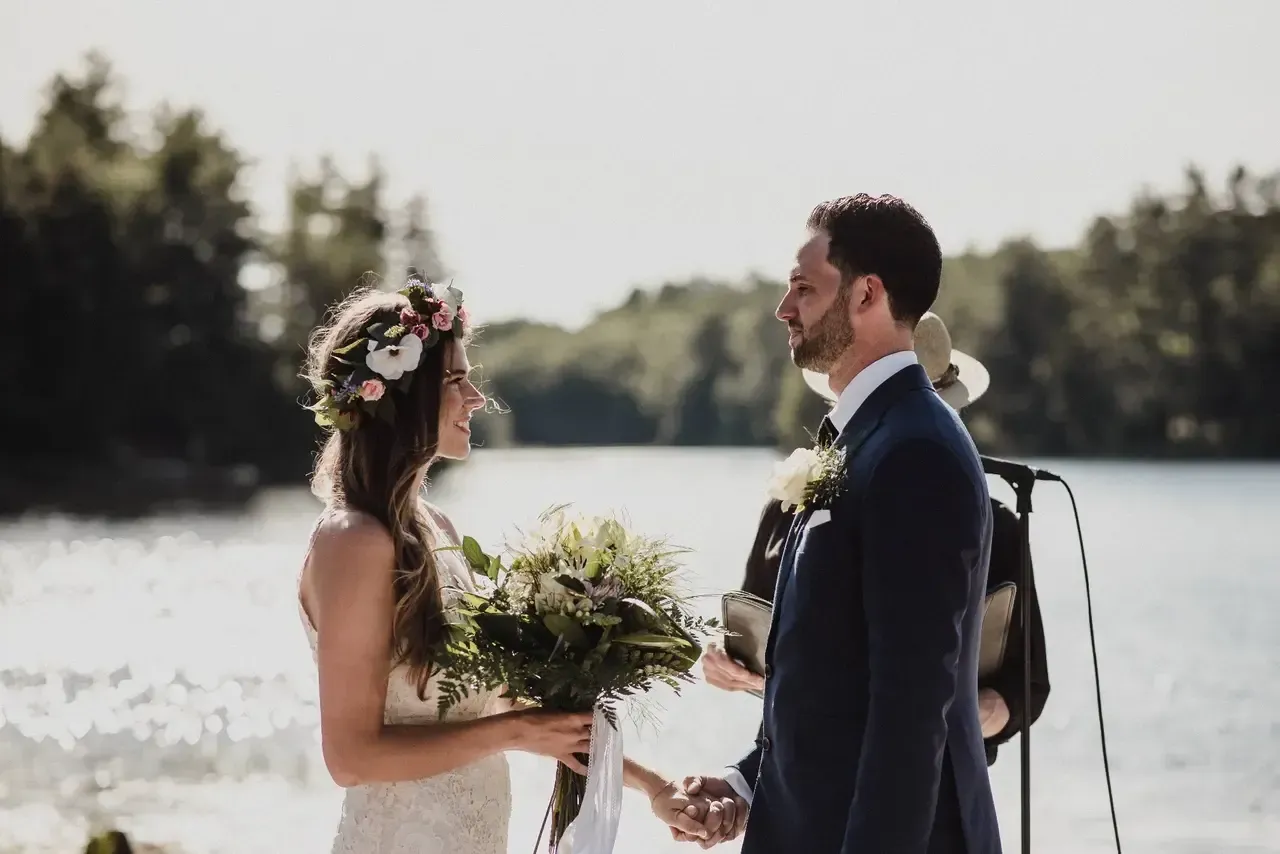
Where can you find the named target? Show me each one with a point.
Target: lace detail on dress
(465, 811)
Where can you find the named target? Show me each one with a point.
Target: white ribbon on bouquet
(595, 829)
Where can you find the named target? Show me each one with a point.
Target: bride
(393, 384)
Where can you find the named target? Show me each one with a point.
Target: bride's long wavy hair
(379, 468)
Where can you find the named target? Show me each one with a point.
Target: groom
(871, 741)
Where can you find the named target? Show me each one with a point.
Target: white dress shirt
(849, 402)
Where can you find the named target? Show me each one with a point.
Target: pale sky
(574, 150)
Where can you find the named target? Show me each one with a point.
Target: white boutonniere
(810, 476)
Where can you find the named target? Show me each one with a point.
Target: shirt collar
(867, 381)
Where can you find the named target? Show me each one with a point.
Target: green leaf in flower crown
(475, 555)
(652, 641)
(325, 409)
(344, 420)
(349, 361)
(342, 351)
(567, 628)
(495, 564)
(376, 331)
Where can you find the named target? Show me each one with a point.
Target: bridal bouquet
(582, 615)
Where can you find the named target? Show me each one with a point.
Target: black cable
(1097, 680)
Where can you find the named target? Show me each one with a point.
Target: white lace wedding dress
(465, 811)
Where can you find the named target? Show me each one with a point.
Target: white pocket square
(816, 518)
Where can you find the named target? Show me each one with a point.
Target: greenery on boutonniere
(382, 359)
(809, 478)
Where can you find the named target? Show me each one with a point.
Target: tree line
(156, 327)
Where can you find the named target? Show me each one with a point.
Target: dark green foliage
(1152, 338)
(181, 325)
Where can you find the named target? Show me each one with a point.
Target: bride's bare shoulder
(346, 534)
(349, 569)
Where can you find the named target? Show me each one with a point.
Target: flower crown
(385, 356)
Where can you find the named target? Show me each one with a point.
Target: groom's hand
(726, 816)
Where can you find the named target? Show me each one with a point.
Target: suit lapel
(788, 551)
(854, 435)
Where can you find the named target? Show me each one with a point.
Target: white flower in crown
(392, 361)
(809, 475)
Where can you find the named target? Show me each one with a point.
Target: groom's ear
(867, 291)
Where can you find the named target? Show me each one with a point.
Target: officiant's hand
(726, 816)
(726, 674)
(993, 712)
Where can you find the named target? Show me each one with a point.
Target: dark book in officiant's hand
(747, 619)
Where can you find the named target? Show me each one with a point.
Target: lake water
(154, 673)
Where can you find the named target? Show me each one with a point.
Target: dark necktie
(826, 433)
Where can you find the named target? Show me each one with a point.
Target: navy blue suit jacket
(871, 742)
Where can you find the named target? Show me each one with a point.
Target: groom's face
(816, 308)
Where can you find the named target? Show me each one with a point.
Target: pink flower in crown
(422, 331)
(372, 390)
(410, 318)
(464, 315)
(443, 319)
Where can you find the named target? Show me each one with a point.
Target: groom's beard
(827, 339)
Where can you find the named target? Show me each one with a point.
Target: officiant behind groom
(959, 379)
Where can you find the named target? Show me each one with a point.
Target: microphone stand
(1022, 478)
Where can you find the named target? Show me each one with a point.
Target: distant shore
(139, 488)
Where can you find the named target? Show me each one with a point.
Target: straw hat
(958, 378)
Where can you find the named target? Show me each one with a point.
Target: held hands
(705, 810)
(725, 673)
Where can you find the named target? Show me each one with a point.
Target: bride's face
(458, 402)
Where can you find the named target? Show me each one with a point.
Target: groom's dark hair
(884, 236)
